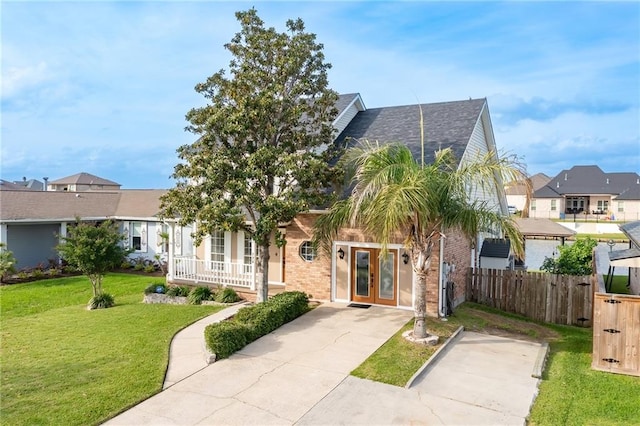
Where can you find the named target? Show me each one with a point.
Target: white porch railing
(207, 271)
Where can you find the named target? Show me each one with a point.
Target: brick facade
(314, 277)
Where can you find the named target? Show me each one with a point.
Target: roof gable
(83, 179)
(446, 125)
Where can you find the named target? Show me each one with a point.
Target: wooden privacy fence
(616, 333)
(559, 299)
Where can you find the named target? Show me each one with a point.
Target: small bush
(226, 337)
(199, 295)
(54, 272)
(138, 267)
(125, 264)
(149, 269)
(37, 273)
(101, 301)
(155, 288)
(227, 295)
(178, 291)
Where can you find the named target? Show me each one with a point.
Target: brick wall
(315, 277)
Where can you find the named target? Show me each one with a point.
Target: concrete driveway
(299, 374)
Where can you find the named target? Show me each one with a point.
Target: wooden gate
(616, 333)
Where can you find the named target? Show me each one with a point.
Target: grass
(619, 285)
(386, 366)
(570, 392)
(63, 364)
(618, 236)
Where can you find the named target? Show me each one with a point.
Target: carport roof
(533, 227)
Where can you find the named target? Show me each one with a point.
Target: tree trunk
(262, 273)
(420, 309)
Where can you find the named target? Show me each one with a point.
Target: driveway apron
(279, 377)
(299, 374)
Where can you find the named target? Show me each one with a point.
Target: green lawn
(62, 364)
(570, 392)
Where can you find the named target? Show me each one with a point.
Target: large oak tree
(258, 160)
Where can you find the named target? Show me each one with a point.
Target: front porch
(191, 270)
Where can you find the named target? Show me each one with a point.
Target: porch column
(253, 266)
(171, 253)
(3, 234)
(63, 234)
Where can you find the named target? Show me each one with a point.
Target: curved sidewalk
(299, 374)
(188, 353)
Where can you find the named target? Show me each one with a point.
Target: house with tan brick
(354, 271)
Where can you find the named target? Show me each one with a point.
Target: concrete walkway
(299, 374)
(188, 353)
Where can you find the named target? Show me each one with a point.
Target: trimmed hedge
(226, 337)
(252, 322)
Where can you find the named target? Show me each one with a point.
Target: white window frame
(307, 252)
(244, 257)
(143, 236)
(226, 255)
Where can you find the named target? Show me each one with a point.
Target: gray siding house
(31, 222)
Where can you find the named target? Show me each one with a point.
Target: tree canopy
(393, 194)
(94, 250)
(259, 158)
(574, 259)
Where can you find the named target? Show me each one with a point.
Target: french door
(373, 278)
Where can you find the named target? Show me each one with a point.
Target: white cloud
(15, 79)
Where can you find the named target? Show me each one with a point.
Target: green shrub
(149, 269)
(178, 291)
(101, 301)
(293, 303)
(261, 319)
(253, 322)
(138, 267)
(37, 273)
(199, 295)
(155, 288)
(226, 337)
(227, 295)
(125, 264)
(54, 272)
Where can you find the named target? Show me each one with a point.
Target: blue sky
(103, 87)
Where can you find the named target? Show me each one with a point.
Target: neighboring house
(228, 258)
(81, 182)
(630, 257)
(589, 192)
(517, 193)
(31, 222)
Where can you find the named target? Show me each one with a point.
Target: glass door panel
(386, 274)
(362, 273)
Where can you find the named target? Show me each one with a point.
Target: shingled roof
(83, 179)
(55, 206)
(591, 180)
(446, 124)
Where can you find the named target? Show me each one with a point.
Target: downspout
(441, 288)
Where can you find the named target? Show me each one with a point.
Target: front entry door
(373, 279)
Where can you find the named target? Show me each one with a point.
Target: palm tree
(396, 196)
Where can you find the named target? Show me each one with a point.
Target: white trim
(352, 244)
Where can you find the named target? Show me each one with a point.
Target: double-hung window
(217, 251)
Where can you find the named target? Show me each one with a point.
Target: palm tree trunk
(420, 308)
